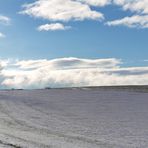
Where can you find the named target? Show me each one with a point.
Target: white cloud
(140, 6)
(4, 20)
(61, 10)
(119, 2)
(133, 21)
(2, 35)
(53, 27)
(96, 2)
(72, 10)
(3, 63)
(140, 17)
(69, 63)
(70, 72)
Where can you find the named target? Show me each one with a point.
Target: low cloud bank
(69, 72)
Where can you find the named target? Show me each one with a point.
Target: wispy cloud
(69, 72)
(133, 21)
(53, 27)
(97, 3)
(4, 20)
(2, 35)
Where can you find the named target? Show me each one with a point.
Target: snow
(74, 118)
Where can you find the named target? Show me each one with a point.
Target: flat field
(103, 117)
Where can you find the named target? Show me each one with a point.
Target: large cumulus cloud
(69, 72)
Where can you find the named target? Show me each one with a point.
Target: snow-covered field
(74, 118)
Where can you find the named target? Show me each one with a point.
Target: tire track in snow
(9, 144)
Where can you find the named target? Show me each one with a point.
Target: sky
(82, 33)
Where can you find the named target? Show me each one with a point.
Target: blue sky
(86, 39)
(65, 43)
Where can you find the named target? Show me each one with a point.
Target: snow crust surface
(73, 118)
